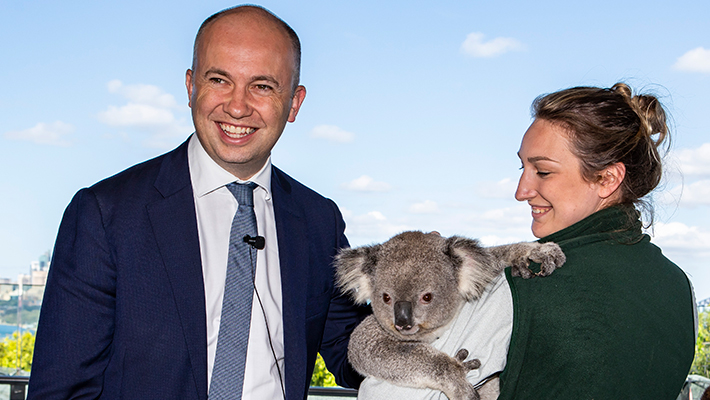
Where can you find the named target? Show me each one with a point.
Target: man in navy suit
(133, 297)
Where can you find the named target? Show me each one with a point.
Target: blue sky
(413, 115)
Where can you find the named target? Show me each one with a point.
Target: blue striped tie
(230, 357)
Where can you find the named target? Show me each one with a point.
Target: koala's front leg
(519, 255)
(375, 353)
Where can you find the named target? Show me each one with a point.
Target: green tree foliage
(321, 375)
(701, 363)
(8, 351)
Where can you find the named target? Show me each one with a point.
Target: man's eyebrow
(267, 78)
(216, 71)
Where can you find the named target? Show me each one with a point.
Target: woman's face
(552, 181)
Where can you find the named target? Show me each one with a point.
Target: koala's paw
(469, 365)
(457, 387)
(550, 257)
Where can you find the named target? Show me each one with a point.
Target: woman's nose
(525, 190)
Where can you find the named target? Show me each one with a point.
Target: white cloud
(689, 195)
(53, 134)
(427, 207)
(511, 224)
(132, 114)
(150, 110)
(696, 60)
(143, 94)
(366, 184)
(697, 193)
(503, 189)
(475, 46)
(695, 161)
(512, 216)
(371, 227)
(676, 236)
(493, 240)
(332, 133)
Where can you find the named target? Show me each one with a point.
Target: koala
(416, 283)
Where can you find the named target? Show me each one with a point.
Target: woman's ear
(610, 179)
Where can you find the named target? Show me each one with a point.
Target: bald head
(254, 14)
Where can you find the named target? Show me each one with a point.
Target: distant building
(704, 305)
(38, 271)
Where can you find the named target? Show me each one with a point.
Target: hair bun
(650, 112)
(622, 89)
(653, 117)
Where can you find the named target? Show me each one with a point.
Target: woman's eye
(542, 173)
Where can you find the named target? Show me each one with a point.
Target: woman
(617, 320)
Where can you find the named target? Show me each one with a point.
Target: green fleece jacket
(615, 322)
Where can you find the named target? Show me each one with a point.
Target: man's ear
(298, 95)
(610, 179)
(188, 85)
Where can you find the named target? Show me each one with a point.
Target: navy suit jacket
(123, 315)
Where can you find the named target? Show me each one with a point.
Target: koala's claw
(461, 356)
(472, 364)
(550, 257)
(522, 271)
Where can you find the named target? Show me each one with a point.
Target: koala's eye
(426, 298)
(386, 298)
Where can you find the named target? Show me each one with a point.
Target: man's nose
(239, 103)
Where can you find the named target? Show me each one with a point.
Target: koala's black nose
(403, 315)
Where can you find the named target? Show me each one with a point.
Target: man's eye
(263, 88)
(216, 80)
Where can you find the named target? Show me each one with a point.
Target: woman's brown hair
(607, 126)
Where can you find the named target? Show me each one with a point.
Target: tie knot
(243, 192)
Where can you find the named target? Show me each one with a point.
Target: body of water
(8, 330)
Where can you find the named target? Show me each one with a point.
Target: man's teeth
(236, 132)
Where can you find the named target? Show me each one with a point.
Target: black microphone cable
(258, 243)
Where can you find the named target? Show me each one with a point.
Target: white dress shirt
(215, 206)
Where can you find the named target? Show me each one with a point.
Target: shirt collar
(207, 176)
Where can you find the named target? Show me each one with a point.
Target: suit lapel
(174, 224)
(293, 259)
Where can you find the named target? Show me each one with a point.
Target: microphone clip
(257, 242)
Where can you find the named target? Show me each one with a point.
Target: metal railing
(323, 393)
(15, 388)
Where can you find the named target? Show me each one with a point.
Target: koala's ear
(476, 267)
(353, 269)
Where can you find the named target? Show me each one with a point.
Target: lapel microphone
(257, 242)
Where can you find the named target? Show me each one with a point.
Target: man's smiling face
(242, 91)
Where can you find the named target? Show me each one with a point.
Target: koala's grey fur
(416, 284)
